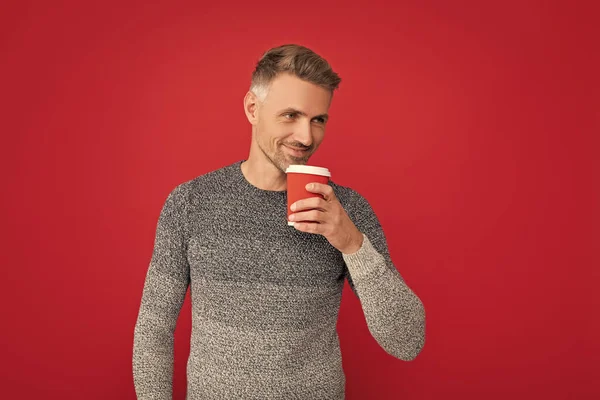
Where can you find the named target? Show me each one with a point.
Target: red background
(471, 128)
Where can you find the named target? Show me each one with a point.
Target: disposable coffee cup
(298, 176)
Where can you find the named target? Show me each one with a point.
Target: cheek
(318, 135)
(270, 134)
(278, 132)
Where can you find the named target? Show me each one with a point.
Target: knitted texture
(265, 297)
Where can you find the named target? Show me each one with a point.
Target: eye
(320, 120)
(289, 115)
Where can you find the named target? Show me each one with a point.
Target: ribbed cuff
(366, 262)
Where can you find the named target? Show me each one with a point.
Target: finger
(309, 203)
(311, 215)
(321, 188)
(309, 227)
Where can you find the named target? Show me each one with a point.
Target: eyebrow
(295, 111)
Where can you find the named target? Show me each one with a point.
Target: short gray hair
(294, 59)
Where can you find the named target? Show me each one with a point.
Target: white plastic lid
(308, 169)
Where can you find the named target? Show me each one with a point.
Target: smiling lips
(297, 152)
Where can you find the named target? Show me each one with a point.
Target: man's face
(291, 121)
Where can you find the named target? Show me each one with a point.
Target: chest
(262, 249)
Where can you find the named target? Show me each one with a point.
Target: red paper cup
(298, 176)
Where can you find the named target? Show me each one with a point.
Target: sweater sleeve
(395, 315)
(164, 290)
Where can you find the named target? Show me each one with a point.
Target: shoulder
(191, 192)
(190, 197)
(362, 214)
(213, 179)
(354, 202)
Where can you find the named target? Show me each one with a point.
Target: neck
(264, 175)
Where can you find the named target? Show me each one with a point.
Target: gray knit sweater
(265, 297)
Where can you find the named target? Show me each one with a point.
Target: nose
(303, 133)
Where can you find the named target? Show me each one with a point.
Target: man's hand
(327, 217)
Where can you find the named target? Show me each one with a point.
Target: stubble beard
(281, 160)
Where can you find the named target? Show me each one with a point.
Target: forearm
(394, 313)
(165, 286)
(152, 361)
(154, 336)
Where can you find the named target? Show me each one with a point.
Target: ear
(251, 105)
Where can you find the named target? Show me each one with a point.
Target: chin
(299, 160)
(296, 161)
(283, 161)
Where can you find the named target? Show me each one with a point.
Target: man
(265, 295)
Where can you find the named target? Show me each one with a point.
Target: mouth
(296, 152)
